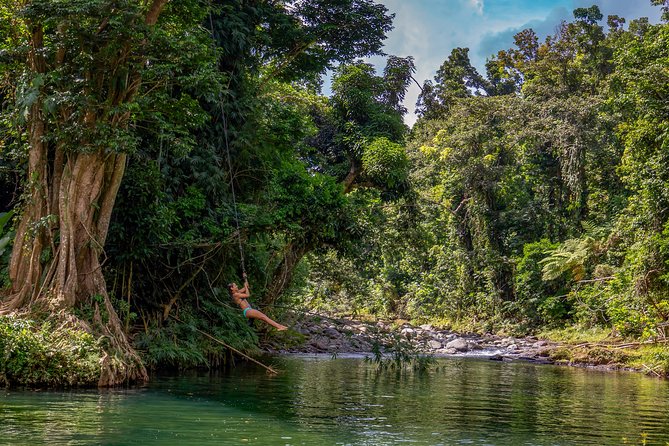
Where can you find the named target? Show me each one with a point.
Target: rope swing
(232, 184)
(226, 140)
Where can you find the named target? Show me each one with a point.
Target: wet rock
(507, 341)
(434, 345)
(446, 351)
(458, 344)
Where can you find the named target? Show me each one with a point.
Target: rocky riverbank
(320, 334)
(329, 335)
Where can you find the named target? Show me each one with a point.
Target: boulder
(458, 344)
(434, 345)
(320, 343)
(332, 333)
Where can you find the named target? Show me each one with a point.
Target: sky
(429, 29)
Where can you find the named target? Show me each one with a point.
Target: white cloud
(429, 29)
(477, 5)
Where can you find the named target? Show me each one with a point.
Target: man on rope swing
(239, 297)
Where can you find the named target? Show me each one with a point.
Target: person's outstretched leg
(255, 314)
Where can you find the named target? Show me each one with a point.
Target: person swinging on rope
(239, 297)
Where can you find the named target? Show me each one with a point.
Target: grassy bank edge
(43, 354)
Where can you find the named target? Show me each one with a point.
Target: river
(346, 401)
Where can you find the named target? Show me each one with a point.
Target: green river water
(345, 401)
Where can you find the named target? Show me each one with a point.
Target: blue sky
(430, 29)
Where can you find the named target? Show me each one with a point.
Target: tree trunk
(283, 274)
(55, 264)
(353, 174)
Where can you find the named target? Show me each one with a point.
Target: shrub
(41, 355)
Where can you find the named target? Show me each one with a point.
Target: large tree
(85, 72)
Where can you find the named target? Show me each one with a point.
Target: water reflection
(346, 401)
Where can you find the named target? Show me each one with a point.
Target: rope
(266, 367)
(232, 185)
(229, 158)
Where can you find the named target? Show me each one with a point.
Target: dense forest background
(534, 195)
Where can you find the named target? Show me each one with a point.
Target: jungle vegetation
(142, 144)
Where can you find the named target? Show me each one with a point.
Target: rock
(458, 344)
(434, 345)
(507, 341)
(446, 351)
(512, 347)
(539, 344)
(427, 327)
(408, 332)
(320, 342)
(332, 333)
(360, 345)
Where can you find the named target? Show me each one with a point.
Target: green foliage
(384, 162)
(570, 257)
(34, 354)
(179, 344)
(534, 195)
(399, 355)
(95, 58)
(534, 209)
(538, 301)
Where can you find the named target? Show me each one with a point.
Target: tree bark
(353, 174)
(283, 273)
(55, 264)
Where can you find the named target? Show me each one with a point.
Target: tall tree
(86, 71)
(359, 145)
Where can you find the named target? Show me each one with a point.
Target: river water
(346, 401)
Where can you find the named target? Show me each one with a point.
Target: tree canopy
(533, 195)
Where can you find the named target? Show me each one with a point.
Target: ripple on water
(346, 401)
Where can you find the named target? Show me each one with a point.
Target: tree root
(120, 363)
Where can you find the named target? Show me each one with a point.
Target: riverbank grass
(652, 359)
(41, 354)
(597, 346)
(575, 334)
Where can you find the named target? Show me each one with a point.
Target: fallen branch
(651, 370)
(619, 346)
